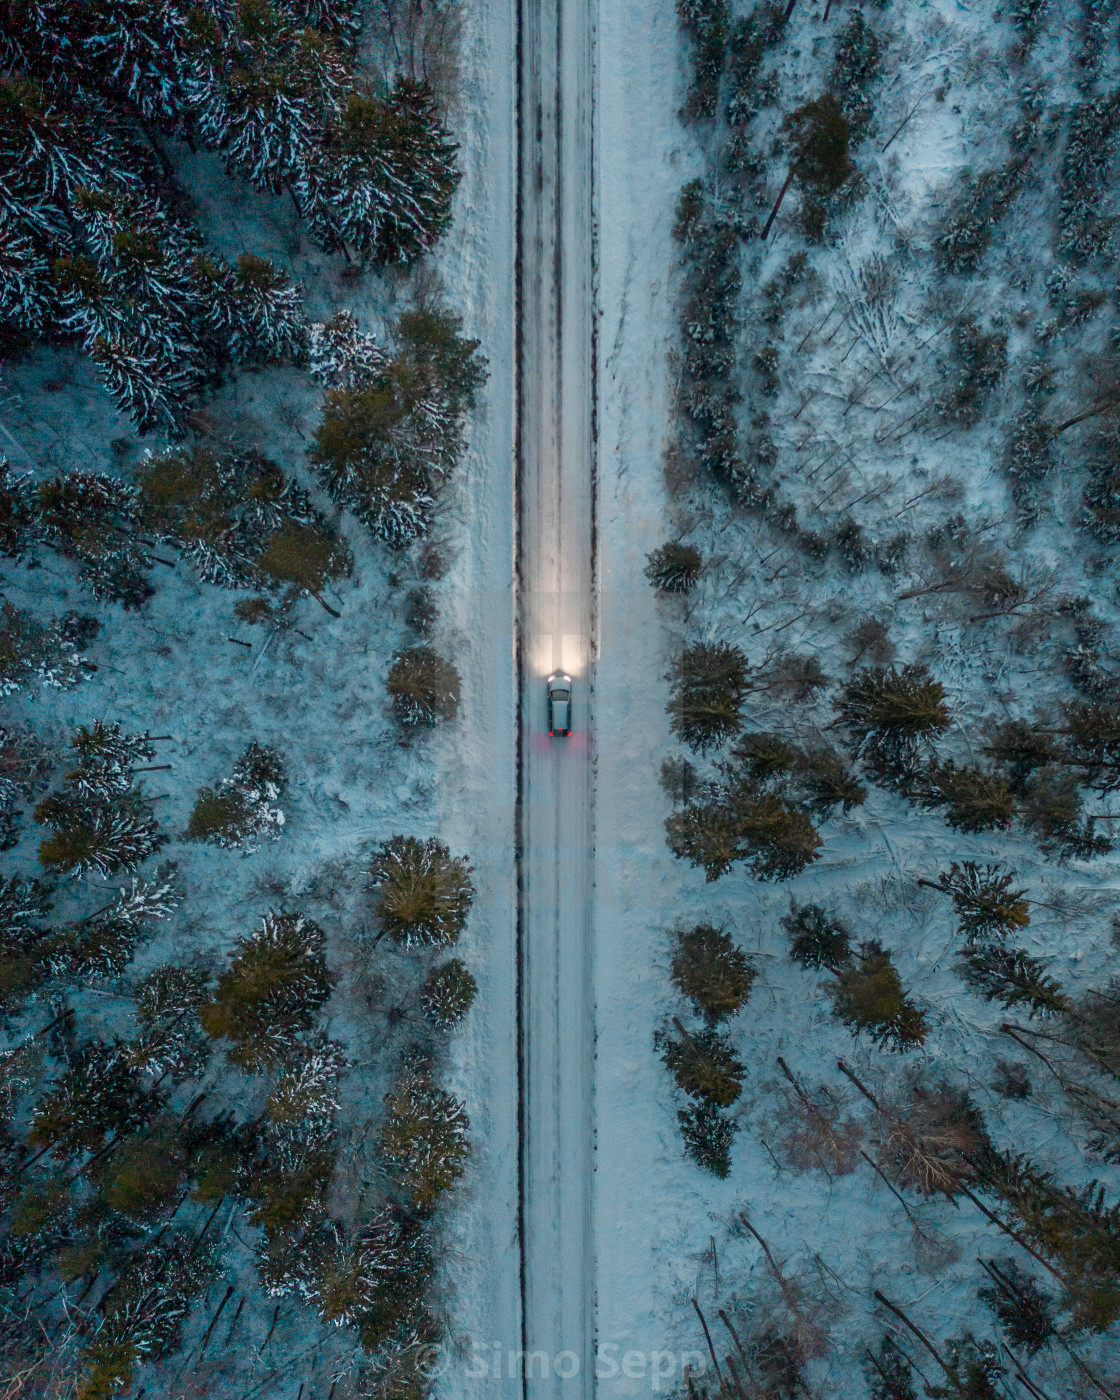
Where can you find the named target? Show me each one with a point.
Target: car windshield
(559, 694)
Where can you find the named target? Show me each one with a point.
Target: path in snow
(557, 613)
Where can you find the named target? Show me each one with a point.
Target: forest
(888, 593)
(236, 395)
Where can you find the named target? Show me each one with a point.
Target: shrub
(704, 1065)
(868, 996)
(709, 684)
(712, 972)
(448, 993)
(423, 688)
(271, 992)
(816, 940)
(674, 567)
(424, 893)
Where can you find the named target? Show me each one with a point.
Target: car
(559, 688)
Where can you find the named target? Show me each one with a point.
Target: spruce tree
(240, 812)
(171, 1040)
(35, 652)
(448, 993)
(674, 567)
(1024, 1311)
(704, 1065)
(93, 520)
(868, 997)
(708, 1134)
(889, 712)
(423, 892)
(271, 992)
(423, 687)
(818, 136)
(816, 938)
(1012, 977)
(98, 1095)
(712, 972)
(986, 902)
(424, 1139)
(709, 684)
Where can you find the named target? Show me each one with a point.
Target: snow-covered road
(557, 619)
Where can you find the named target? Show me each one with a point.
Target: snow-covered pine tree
(343, 356)
(423, 892)
(142, 1316)
(448, 993)
(674, 567)
(25, 763)
(25, 301)
(1013, 977)
(93, 520)
(171, 1039)
(816, 938)
(32, 652)
(271, 992)
(94, 836)
(708, 685)
(267, 321)
(304, 1103)
(138, 52)
(341, 19)
(708, 1134)
(106, 758)
(98, 1094)
(240, 812)
(263, 90)
(986, 903)
(704, 1065)
(149, 383)
(1024, 1311)
(423, 1139)
(24, 905)
(17, 513)
(382, 180)
(890, 712)
(103, 945)
(868, 996)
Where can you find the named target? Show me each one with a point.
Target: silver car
(559, 688)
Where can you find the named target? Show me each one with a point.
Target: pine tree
(103, 945)
(975, 800)
(1012, 977)
(25, 303)
(1020, 749)
(33, 652)
(674, 567)
(302, 1107)
(18, 533)
(705, 834)
(818, 137)
(890, 711)
(1024, 1311)
(239, 814)
(867, 996)
(1093, 742)
(703, 1064)
(269, 995)
(423, 687)
(93, 520)
(816, 939)
(24, 904)
(97, 1096)
(776, 839)
(448, 993)
(107, 759)
(383, 179)
(712, 972)
(105, 837)
(267, 321)
(171, 1040)
(424, 1139)
(423, 892)
(709, 684)
(1051, 810)
(708, 1134)
(985, 901)
(343, 356)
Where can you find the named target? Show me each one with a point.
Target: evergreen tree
(1020, 749)
(18, 532)
(266, 321)
(423, 892)
(93, 520)
(704, 1065)
(382, 179)
(106, 837)
(107, 759)
(985, 901)
(712, 972)
(974, 800)
(1012, 977)
(1051, 810)
(33, 652)
(97, 1096)
(343, 356)
(239, 813)
(674, 567)
(709, 684)
(816, 939)
(302, 1107)
(103, 945)
(889, 712)
(171, 1040)
(1023, 1310)
(818, 136)
(423, 687)
(25, 304)
(1093, 742)
(448, 993)
(867, 996)
(24, 904)
(424, 1139)
(269, 995)
(708, 1134)
(856, 65)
